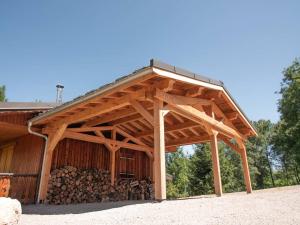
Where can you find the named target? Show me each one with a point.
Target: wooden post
(53, 139)
(246, 169)
(112, 166)
(216, 165)
(159, 152)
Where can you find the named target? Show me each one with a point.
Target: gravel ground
(271, 206)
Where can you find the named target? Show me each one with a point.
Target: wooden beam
(111, 117)
(102, 140)
(177, 117)
(188, 141)
(53, 139)
(194, 92)
(112, 167)
(95, 97)
(203, 119)
(185, 109)
(228, 143)
(159, 152)
(140, 109)
(103, 108)
(220, 113)
(180, 100)
(246, 169)
(232, 115)
(108, 146)
(165, 85)
(87, 129)
(216, 164)
(132, 138)
(168, 129)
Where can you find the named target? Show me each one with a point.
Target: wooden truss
(153, 116)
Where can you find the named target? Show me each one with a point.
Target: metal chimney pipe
(59, 90)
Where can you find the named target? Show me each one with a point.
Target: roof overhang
(155, 71)
(10, 131)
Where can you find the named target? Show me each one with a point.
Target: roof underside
(24, 106)
(126, 117)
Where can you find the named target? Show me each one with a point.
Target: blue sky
(84, 44)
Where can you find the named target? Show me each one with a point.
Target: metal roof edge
(164, 66)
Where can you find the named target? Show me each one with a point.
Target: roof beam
(194, 92)
(185, 109)
(140, 109)
(188, 140)
(168, 129)
(103, 140)
(101, 109)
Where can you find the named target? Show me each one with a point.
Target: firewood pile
(71, 185)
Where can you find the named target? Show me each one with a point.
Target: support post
(216, 164)
(112, 166)
(246, 169)
(159, 152)
(53, 139)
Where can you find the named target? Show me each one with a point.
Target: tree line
(273, 156)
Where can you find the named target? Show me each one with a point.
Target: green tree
(2, 93)
(286, 139)
(177, 166)
(200, 175)
(260, 155)
(231, 169)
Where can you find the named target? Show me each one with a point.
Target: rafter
(103, 108)
(132, 138)
(193, 92)
(186, 110)
(111, 117)
(86, 129)
(165, 85)
(168, 128)
(188, 140)
(140, 109)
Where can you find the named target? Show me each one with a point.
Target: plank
(216, 164)
(159, 152)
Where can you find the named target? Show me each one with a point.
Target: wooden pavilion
(153, 110)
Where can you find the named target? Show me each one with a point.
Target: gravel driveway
(271, 206)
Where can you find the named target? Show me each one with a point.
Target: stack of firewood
(71, 185)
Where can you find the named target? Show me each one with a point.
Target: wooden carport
(155, 109)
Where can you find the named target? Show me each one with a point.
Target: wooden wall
(130, 163)
(81, 154)
(16, 117)
(26, 166)
(28, 152)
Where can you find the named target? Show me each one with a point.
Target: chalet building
(140, 116)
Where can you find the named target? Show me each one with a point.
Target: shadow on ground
(44, 209)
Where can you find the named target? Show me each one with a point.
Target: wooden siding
(130, 163)
(26, 166)
(80, 154)
(6, 153)
(19, 118)
(86, 155)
